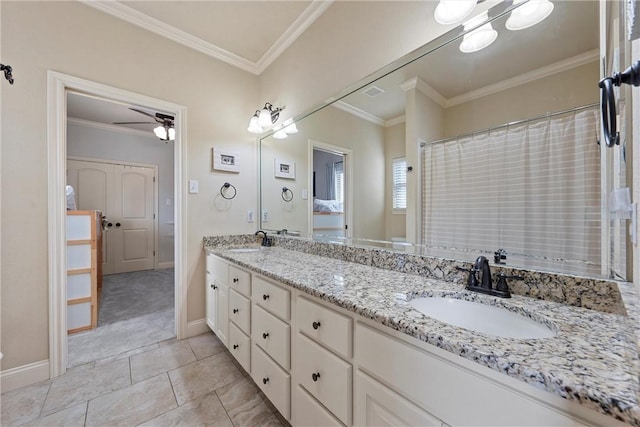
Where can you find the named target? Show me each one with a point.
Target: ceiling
(247, 34)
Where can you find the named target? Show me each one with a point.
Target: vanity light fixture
(281, 134)
(289, 129)
(479, 38)
(452, 11)
(529, 14)
(254, 126)
(269, 115)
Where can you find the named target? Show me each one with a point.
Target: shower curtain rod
(506, 125)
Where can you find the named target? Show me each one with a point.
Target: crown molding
(135, 17)
(291, 34)
(395, 121)
(539, 73)
(110, 128)
(424, 88)
(341, 105)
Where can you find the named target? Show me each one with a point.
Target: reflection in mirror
(501, 149)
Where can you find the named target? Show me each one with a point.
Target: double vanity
(340, 335)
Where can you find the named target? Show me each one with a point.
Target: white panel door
(133, 234)
(125, 194)
(93, 186)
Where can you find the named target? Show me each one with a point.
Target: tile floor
(193, 382)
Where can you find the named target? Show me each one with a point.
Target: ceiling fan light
(160, 132)
(453, 11)
(254, 127)
(529, 14)
(281, 134)
(172, 134)
(264, 119)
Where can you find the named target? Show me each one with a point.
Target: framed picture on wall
(224, 160)
(285, 169)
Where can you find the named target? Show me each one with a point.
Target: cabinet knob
(265, 380)
(235, 310)
(235, 346)
(118, 224)
(236, 280)
(265, 335)
(213, 286)
(109, 224)
(315, 376)
(315, 325)
(265, 297)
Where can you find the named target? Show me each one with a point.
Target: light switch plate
(193, 186)
(265, 216)
(250, 216)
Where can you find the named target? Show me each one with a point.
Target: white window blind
(532, 189)
(399, 176)
(339, 181)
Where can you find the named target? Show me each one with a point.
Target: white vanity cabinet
(271, 338)
(217, 297)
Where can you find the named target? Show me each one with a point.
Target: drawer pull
(315, 325)
(315, 376)
(265, 335)
(265, 297)
(235, 310)
(236, 280)
(265, 381)
(235, 346)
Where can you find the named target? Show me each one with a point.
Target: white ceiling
(247, 34)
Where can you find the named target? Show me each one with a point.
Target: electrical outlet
(250, 216)
(265, 216)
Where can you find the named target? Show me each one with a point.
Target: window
(339, 181)
(399, 176)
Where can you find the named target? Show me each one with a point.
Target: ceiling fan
(165, 131)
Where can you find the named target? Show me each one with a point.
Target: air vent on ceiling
(372, 91)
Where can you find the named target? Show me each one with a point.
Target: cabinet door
(222, 313)
(376, 405)
(211, 298)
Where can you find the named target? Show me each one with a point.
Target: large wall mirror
(459, 154)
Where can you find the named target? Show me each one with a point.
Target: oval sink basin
(480, 317)
(245, 250)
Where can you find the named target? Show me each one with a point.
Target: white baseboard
(24, 375)
(197, 327)
(163, 265)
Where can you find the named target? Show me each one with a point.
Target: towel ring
(286, 190)
(224, 187)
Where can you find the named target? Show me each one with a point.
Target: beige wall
(560, 91)
(335, 127)
(75, 39)
(394, 147)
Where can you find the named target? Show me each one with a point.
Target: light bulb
(291, 128)
(254, 127)
(479, 38)
(172, 134)
(160, 132)
(529, 14)
(452, 11)
(264, 119)
(281, 134)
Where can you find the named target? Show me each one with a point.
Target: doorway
(330, 206)
(58, 87)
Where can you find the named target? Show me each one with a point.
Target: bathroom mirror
(441, 97)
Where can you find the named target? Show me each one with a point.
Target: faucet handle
(502, 285)
(472, 280)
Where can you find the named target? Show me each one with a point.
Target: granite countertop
(593, 359)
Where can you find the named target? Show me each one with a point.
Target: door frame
(156, 220)
(57, 86)
(347, 155)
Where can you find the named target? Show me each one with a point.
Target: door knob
(118, 224)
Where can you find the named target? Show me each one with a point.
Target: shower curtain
(532, 189)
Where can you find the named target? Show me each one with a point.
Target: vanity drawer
(272, 380)
(329, 328)
(218, 268)
(240, 311)
(308, 412)
(240, 346)
(272, 335)
(240, 280)
(273, 298)
(325, 376)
